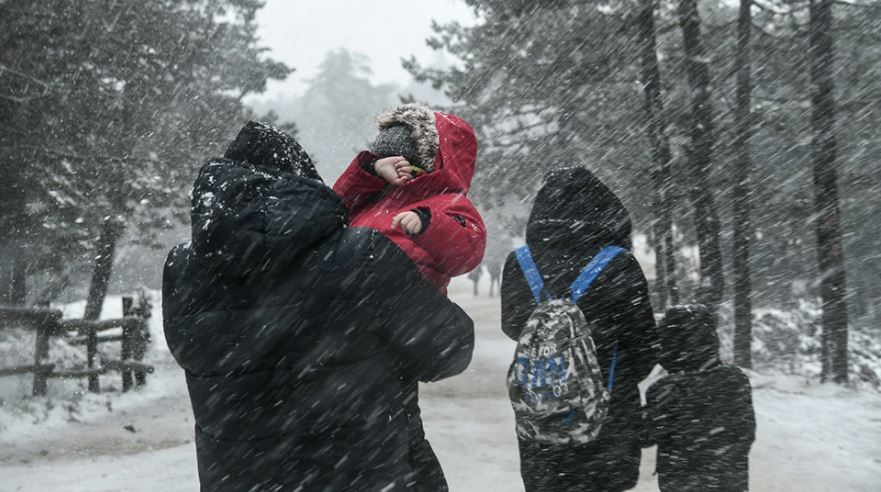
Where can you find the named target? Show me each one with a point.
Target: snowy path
(810, 438)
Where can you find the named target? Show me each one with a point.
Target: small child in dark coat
(701, 413)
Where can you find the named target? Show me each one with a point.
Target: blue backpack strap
(530, 271)
(590, 273)
(593, 269)
(612, 367)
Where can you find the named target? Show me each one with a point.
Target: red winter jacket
(454, 241)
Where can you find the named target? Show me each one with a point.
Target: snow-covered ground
(810, 437)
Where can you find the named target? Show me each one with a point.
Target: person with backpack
(576, 301)
(701, 414)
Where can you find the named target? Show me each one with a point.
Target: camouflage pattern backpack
(555, 383)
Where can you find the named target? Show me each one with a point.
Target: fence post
(127, 343)
(140, 346)
(91, 355)
(143, 335)
(44, 329)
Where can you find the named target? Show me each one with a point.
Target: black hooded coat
(295, 332)
(701, 414)
(573, 217)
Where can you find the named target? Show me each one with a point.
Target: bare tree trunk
(665, 261)
(700, 156)
(19, 278)
(13, 253)
(13, 278)
(13, 199)
(742, 190)
(110, 230)
(823, 149)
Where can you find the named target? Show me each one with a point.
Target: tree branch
(4, 68)
(776, 9)
(871, 6)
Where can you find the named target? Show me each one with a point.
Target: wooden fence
(47, 323)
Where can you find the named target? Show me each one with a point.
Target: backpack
(555, 383)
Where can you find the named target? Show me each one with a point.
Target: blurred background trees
(109, 106)
(742, 136)
(559, 83)
(338, 107)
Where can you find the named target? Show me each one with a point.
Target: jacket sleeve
(173, 264)
(655, 414)
(433, 337)
(456, 235)
(356, 185)
(517, 301)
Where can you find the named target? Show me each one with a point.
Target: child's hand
(408, 222)
(395, 170)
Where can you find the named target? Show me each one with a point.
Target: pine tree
(830, 253)
(700, 155)
(656, 130)
(742, 190)
(338, 110)
(547, 85)
(117, 102)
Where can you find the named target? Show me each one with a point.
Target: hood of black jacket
(575, 211)
(248, 218)
(262, 144)
(689, 341)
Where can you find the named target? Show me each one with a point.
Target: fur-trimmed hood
(446, 145)
(420, 119)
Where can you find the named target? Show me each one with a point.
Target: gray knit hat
(408, 130)
(395, 140)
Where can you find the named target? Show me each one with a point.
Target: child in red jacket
(411, 187)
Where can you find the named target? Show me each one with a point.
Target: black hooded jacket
(295, 331)
(701, 414)
(573, 217)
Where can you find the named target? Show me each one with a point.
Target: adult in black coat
(296, 332)
(574, 216)
(701, 414)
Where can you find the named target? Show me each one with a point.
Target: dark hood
(264, 145)
(688, 339)
(574, 208)
(248, 218)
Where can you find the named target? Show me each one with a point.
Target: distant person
(474, 276)
(411, 186)
(575, 220)
(701, 414)
(295, 331)
(495, 275)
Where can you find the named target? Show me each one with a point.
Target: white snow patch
(24, 417)
(810, 437)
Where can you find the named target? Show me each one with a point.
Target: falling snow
(359, 222)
